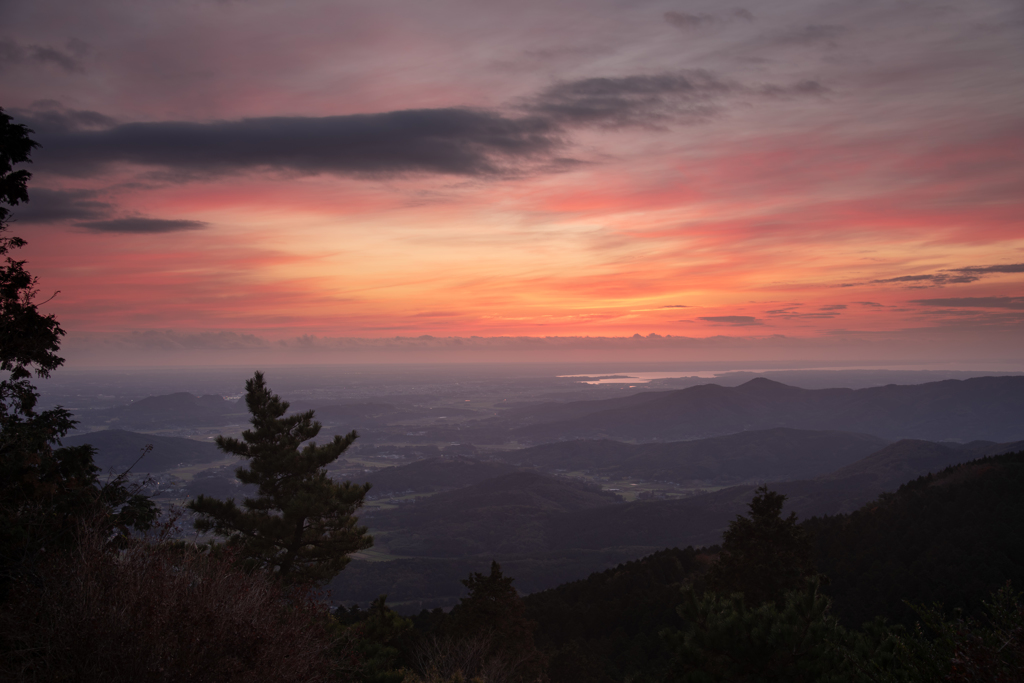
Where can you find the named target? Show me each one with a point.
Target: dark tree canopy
(301, 524)
(45, 490)
(763, 555)
(494, 612)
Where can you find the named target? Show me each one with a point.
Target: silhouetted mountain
(952, 537)
(700, 520)
(905, 460)
(764, 455)
(119, 449)
(958, 410)
(549, 531)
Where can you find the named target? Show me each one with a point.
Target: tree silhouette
(301, 524)
(45, 490)
(763, 556)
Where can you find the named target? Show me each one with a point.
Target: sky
(336, 181)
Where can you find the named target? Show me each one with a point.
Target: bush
(159, 612)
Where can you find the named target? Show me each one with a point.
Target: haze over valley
(553, 475)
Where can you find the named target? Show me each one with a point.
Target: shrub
(160, 612)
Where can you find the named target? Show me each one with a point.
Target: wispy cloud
(52, 206)
(142, 226)
(686, 21)
(739, 320)
(1011, 302)
(951, 276)
(13, 53)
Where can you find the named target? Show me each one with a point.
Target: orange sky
(808, 171)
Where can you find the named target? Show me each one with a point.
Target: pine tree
(494, 613)
(301, 524)
(763, 556)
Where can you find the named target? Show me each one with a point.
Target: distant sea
(929, 372)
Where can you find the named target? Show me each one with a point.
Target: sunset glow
(848, 175)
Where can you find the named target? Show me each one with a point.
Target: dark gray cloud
(446, 141)
(1011, 302)
(689, 96)
(873, 304)
(13, 53)
(142, 225)
(801, 89)
(732, 319)
(684, 20)
(833, 307)
(452, 141)
(814, 34)
(631, 100)
(676, 306)
(952, 276)
(934, 280)
(52, 117)
(904, 278)
(1008, 268)
(53, 206)
(793, 314)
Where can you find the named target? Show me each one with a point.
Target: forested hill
(958, 410)
(506, 515)
(952, 537)
(903, 461)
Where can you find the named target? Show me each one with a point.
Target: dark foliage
(45, 490)
(764, 555)
(375, 642)
(494, 614)
(506, 515)
(791, 642)
(605, 627)
(953, 537)
(301, 524)
(158, 612)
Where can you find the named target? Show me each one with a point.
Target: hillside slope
(505, 515)
(952, 537)
(765, 455)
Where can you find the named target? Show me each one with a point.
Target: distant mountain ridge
(768, 455)
(988, 408)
